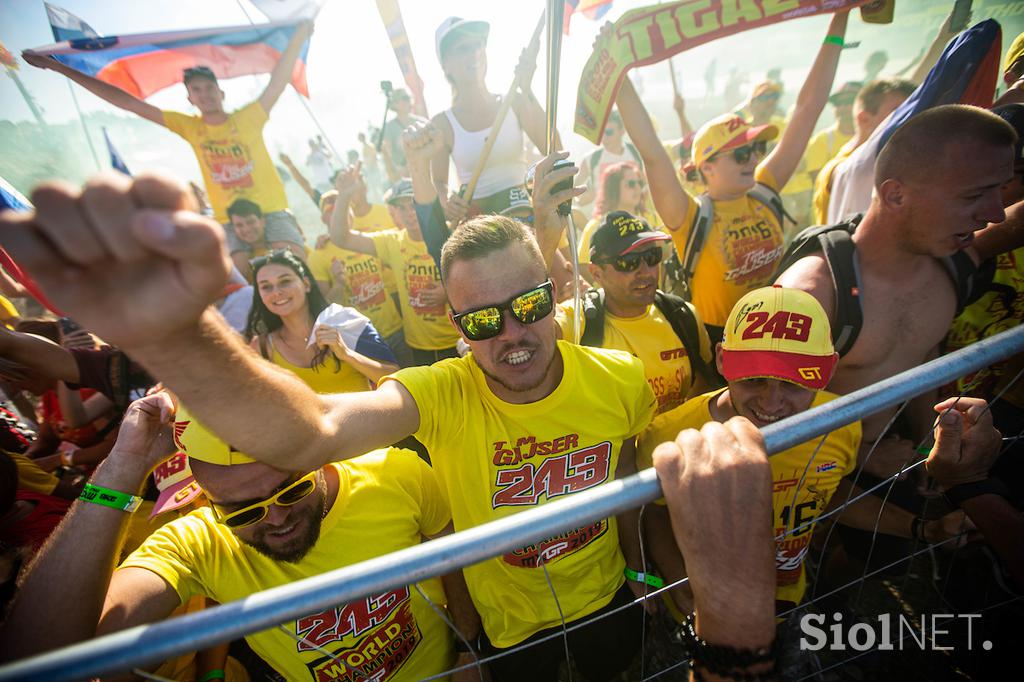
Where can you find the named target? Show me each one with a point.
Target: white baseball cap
(454, 25)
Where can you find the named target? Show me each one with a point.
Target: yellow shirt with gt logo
(650, 338)
(495, 458)
(803, 480)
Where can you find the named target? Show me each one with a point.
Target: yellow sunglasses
(246, 516)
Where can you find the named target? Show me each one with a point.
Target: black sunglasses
(528, 307)
(631, 261)
(743, 154)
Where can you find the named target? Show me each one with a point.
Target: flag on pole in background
(391, 15)
(116, 160)
(7, 59)
(66, 26)
(591, 9)
(144, 63)
(966, 73)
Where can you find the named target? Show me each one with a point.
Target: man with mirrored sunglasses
(265, 527)
(628, 312)
(523, 420)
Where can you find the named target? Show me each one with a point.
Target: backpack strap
(593, 318)
(770, 198)
(838, 250)
(969, 280)
(680, 315)
(695, 240)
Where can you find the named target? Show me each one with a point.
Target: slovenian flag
(592, 9)
(141, 64)
(966, 73)
(67, 26)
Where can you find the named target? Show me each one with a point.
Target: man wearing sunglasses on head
(521, 421)
(628, 312)
(265, 527)
(738, 251)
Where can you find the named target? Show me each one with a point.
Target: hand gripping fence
(147, 644)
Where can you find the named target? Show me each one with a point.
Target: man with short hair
(265, 527)
(522, 420)
(228, 146)
(634, 316)
(250, 227)
(873, 104)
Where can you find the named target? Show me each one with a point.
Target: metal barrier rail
(148, 644)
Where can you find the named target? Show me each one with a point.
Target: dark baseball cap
(621, 232)
(399, 190)
(1014, 115)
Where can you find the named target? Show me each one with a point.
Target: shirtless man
(933, 190)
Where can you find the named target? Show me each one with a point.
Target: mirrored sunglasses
(528, 307)
(291, 494)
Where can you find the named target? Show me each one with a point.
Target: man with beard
(522, 420)
(265, 527)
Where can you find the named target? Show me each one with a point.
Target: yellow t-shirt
(649, 337)
(31, 476)
(377, 219)
(996, 311)
(233, 158)
(324, 379)
(803, 480)
(823, 186)
(426, 327)
(742, 248)
(387, 500)
(365, 288)
(495, 458)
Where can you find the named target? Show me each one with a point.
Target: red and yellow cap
(728, 131)
(173, 478)
(778, 333)
(199, 443)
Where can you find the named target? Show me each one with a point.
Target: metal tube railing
(147, 644)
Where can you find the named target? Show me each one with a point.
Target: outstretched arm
(152, 252)
(300, 179)
(105, 91)
(670, 199)
(282, 72)
(340, 229)
(934, 51)
(810, 102)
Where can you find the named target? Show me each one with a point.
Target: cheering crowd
(237, 401)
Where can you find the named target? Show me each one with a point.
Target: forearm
(71, 407)
(294, 434)
(423, 189)
(370, 368)
(663, 551)
(300, 179)
(1003, 527)
(460, 605)
(340, 230)
(42, 355)
(283, 69)
(1001, 237)
(110, 93)
(79, 558)
(670, 200)
(94, 454)
(930, 57)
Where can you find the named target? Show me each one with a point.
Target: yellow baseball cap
(199, 443)
(779, 333)
(1015, 52)
(728, 131)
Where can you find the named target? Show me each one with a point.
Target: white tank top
(506, 164)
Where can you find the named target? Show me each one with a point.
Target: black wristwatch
(461, 648)
(959, 494)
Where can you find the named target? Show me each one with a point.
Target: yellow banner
(651, 34)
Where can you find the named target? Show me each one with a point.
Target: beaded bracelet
(724, 660)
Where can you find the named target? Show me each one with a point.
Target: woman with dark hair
(621, 188)
(285, 306)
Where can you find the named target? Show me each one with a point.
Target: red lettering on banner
(554, 477)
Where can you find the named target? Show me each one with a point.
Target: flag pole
(302, 100)
(32, 106)
(85, 130)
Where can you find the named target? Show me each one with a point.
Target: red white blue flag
(141, 64)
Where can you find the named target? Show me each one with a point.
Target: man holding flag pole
(229, 146)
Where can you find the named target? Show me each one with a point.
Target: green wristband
(110, 498)
(212, 675)
(637, 577)
(834, 40)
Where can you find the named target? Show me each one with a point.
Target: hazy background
(350, 54)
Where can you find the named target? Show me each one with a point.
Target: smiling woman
(286, 304)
